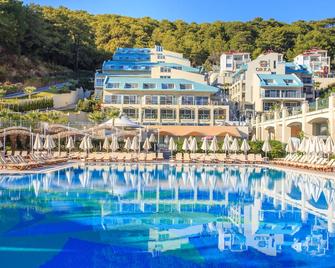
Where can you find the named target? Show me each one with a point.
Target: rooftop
(154, 84)
(291, 67)
(279, 80)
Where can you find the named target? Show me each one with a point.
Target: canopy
(123, 122)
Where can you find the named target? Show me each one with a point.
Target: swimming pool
(160, 215)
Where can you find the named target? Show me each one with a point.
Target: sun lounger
(151, 157)
(179, 157)
(142, 157)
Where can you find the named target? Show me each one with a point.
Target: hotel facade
(267, 82)
(158, 87)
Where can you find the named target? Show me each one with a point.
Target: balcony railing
(281, 95)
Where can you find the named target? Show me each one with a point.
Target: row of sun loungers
(219, 158)
(29, 161)
(117, 157)
(306, 161)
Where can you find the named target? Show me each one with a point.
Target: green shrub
(30, 105)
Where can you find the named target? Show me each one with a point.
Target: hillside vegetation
(42, 40)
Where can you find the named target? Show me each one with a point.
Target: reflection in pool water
(162, 215)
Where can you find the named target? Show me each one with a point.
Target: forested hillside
(47, 37)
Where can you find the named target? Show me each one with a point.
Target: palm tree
(29, 91)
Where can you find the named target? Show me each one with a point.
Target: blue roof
(122, 81)
(291, 68)
(279, 80)
(132, 54)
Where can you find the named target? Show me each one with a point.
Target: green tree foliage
(79, 40)
(29, 91)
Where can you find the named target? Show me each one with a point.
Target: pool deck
(52, 168)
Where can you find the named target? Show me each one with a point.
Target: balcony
(282, 95)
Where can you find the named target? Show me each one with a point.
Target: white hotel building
(158, 87)
(317, 61)
(230, 62)
(264, 82)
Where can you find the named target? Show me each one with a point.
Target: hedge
(30, 105)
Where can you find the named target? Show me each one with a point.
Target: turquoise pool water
(138, 215)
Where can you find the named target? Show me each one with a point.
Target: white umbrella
(70, 144)
(166, 140)
(234, 146)
(308, 144)
(266, 147)
(152, 138)
(194, 145)
(226, 145)
(49, 144)
(302, 145)
(134, 144)
(253, 138)
(172, 146)
(245, 147)
(38, 143)
(290, 146)
(190, 139)
(205, 145)
(106, 144)
(127, 144)
(185, 146)
(146, 145)
(329, 146)
(89, 142)
(114, 145)
(86, 144)
(214, 145)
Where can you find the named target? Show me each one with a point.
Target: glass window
(130, 112)
(165, 77)
(149, 85)
(151, 100)
(186, 86)
(204, 114)
(168, 86)
(129, 99)
(131, 85)
(201, 100)
(168, 114)
(165, 70)
(113, 85)
(186, 114)
(150, 113)
(167, 100)
(113, 99)
(220, 114)
(187, 100)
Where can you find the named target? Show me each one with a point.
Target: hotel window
(99, 82)
(186, 86)
(160, 56)
(113, 85)
(149, 85)
(187, 100)
(150, 114)
(201, 100)
(165, 70)
(186, 114)
(168, 86)
(131, 113)
(167, 100)
(267, 106)
(113, 99)
(151, 100)
(288, 81)
(204, 114)
(219, 114)
(228, 65)
(168, 114)
(268, 81)
(129, 99)
(131, 85)
(165, 77)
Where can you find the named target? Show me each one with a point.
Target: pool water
(160, 215)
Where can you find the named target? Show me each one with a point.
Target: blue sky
(205, 10)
